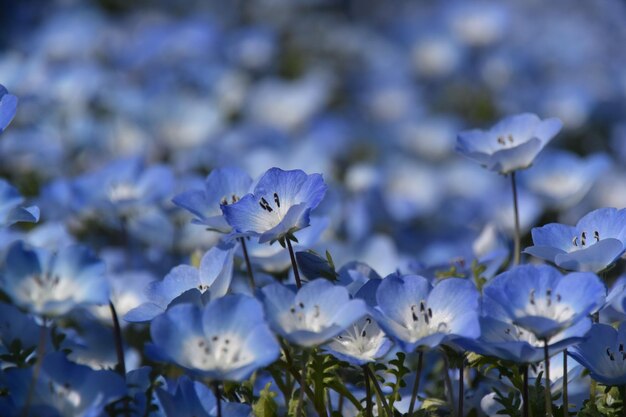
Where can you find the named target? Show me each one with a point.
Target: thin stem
(461, 385)
(518, 246)
(565, 393)
(294, 264)
(416, 384)
(246, 258)
(368, 393)
(546, 378)
(447, 381)
(117, 336)
(379, 391)
(305, 359)
(294, 372)
(525, 404)
(41, 349)
(218, 397)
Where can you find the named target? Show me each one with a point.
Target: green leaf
(265, 406)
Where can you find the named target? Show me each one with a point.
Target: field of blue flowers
(327, 208)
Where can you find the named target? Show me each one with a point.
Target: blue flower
(189, 398)
(510, 145)
(315, 314)
(563, 178)
(214, 274)
(417, 314)
(223, 186)
(279, 206)
(597, 240)
(543, 301)
(62, 388)
(51, 284)
(8, 107)
(10, 206)
(502, 338)
(603, 354)
(364, 341)
(226, 340)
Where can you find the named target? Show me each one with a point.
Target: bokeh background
(369, 93)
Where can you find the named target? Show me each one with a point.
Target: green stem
(303, 373)
(525, 405)
(41, 349)
(565, 393)
(368, 392)
(246, 258)
(622, 391)
(379, 391)
(294, 264)
(218, 397)
(546, 378)
(447, 381)
(517, 242)
(461, 384)
(416, 384)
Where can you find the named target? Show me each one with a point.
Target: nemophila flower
(187, 398)
(597, 240)
(501, 338)
(318, 312)
(62, 388)
(603, 353)
(510, 145)
(51, 284)
(226, 340)
(543, 301)
(563, 178)
(417, 314)
(18, 331)
(8, 107)
(363, 341)
(279, 206)
(223, 186)
(10, 206)
(211, 279)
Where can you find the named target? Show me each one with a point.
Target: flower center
(548, 305)
(585, 239)
(307, 318)
(506, 141)
(422, 322)
(361, 340)
(216, 352)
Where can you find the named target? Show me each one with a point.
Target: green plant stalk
(416, 384)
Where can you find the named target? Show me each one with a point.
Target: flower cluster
(314, 208)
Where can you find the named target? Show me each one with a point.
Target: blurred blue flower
(226, 340)
(8, 107)
(417, 314)
(223, 186)
(187, 398)
(279, 206)
(62, 388)
(213, 277)
(541, 300)
(603, 354)
(597, 240)
(510, 145)
(562, 178)
(51, 284)
(10, 206)
(318, 312)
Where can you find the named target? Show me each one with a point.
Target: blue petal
(518, 157)
(396, 295)
(457, 299)
(172, 328)
(143, 313)
(238, 314)
(608, 222)
(594, 258)
(8, 107)
(554, 235)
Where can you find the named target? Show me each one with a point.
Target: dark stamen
(596, 235)
(532, 297)
(276, 200)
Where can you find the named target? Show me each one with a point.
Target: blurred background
(369, 93)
